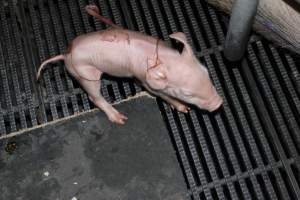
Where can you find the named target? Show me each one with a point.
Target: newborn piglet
(165, 72)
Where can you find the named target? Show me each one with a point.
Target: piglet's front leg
(175, 104)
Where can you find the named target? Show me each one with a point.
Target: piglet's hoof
(181, 108)
(118, 118)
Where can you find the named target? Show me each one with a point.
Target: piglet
(163, 71)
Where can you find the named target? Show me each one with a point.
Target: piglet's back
(118, 52)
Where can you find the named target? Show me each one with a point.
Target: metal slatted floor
(248, 150)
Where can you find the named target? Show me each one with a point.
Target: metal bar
(61, 41)
(245, 175)
(42, 56)
(50, 41)
(263, 113)
(257, 127)
(11, 67)
(24, 69)
(183, 153)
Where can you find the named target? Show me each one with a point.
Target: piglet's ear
(156, 76)
(187, 50)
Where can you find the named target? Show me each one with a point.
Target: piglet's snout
(214, 102)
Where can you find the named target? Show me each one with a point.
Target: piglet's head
(181, 76)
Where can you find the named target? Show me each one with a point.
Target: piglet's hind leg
(93, 90)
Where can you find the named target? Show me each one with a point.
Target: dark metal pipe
(241, 21)
(297, 1)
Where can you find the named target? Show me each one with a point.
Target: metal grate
(32, 31)
(241, 152)
(248, 150)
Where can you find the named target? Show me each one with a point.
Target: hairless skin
(175, 77)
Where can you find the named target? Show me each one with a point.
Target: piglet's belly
(113, 62)
(115, 70)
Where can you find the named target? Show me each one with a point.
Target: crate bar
(220, 34)
(295, 72)
(160, 20)
(168, 12)
(251, 141)
(12, 62)
(31, 53)
(182, 120)
(287, 80)
(77, 23)
(2, 124)
(138, 16)
(16, 108)
(8, 102)
(277, 113)
(77, 91)
(42, 56)
(241, 116)
(277, 118)
(84, 15)
(207, 154)
(11, 69)
(229, 87)
(223, 131)
(62, 47)
(265, 117)
(47, 23)
(213, 49)
(197, 129)
(149, 18)
(181, 151)
(259, 130)
(203, 20)
(180, 19)
(217, 149)
(196, 28)
(172, 122)
(189, 139)
(25, 75)
(202, 45)
(254, 148)
(245, 175)
(283, 104)
(196, 159)
(210, 66)
(185, 27)
(199, 37)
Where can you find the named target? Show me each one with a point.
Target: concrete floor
(88, 158)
